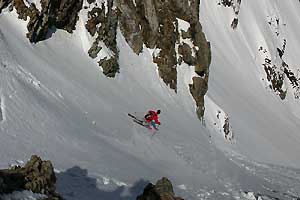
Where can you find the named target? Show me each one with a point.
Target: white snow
(183, 25)
(24, 195)
(60, 106)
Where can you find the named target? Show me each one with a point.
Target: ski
(135, 118)
(142, 123)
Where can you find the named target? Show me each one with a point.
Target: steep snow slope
(55, 102)
(266, 128)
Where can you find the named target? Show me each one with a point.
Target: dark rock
(227, 2)
(129, 25)
(155, 23)
(234, 23)
(149, 193)
(96, 16)
(65, 14)
(109, 66)
(103, 24)
(198, 89)
(59, 14)
(163, 190)
(4, 4)
(186, 52)
(164, 186)
(22, 10)
(37, 176)
(91, 1)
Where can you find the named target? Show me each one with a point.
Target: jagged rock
(109, 66)
(129, 25)
(66, 14)
(37, 176)
(54, 13)
(96, 16)
(164, 186)
(38, 24)
(203, 55)
(22, 10)
(103, 24)
(149, 193)
(234, 23)
(163, 190)
(4, 4)
(235, 4)
(227, 2)
(156, 24)
(186, 52)
(95, 49)
(198, 89)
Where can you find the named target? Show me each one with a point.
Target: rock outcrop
(163, 190)
(280, 76)
(54, 14)
(235, 5)
(37, 176)
(4, 4)
(169, 27)
(102, 24)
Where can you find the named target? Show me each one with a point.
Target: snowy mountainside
(56, 102)
(265, 123)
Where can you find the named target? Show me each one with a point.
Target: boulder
(163, 190)
(37, 176)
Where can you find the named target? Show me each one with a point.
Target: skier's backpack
(147, 115)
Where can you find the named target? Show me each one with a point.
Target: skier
(152, 118)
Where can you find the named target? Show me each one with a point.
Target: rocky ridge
(171, 29)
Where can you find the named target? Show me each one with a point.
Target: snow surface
(266, 128)
(56, 103)
(22, 195)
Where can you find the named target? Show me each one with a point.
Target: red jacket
(153, 116)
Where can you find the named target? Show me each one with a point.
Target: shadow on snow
(75, 184)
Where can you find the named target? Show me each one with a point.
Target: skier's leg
(147, 125)
(153, 125)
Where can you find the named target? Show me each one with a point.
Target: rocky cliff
(37, 176)
(170, 28)
(173, 29)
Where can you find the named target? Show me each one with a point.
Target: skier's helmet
(158, 112)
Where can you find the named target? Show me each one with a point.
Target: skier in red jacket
(152, 118)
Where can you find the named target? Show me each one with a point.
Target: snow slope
(266, 127)
(56, 103)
